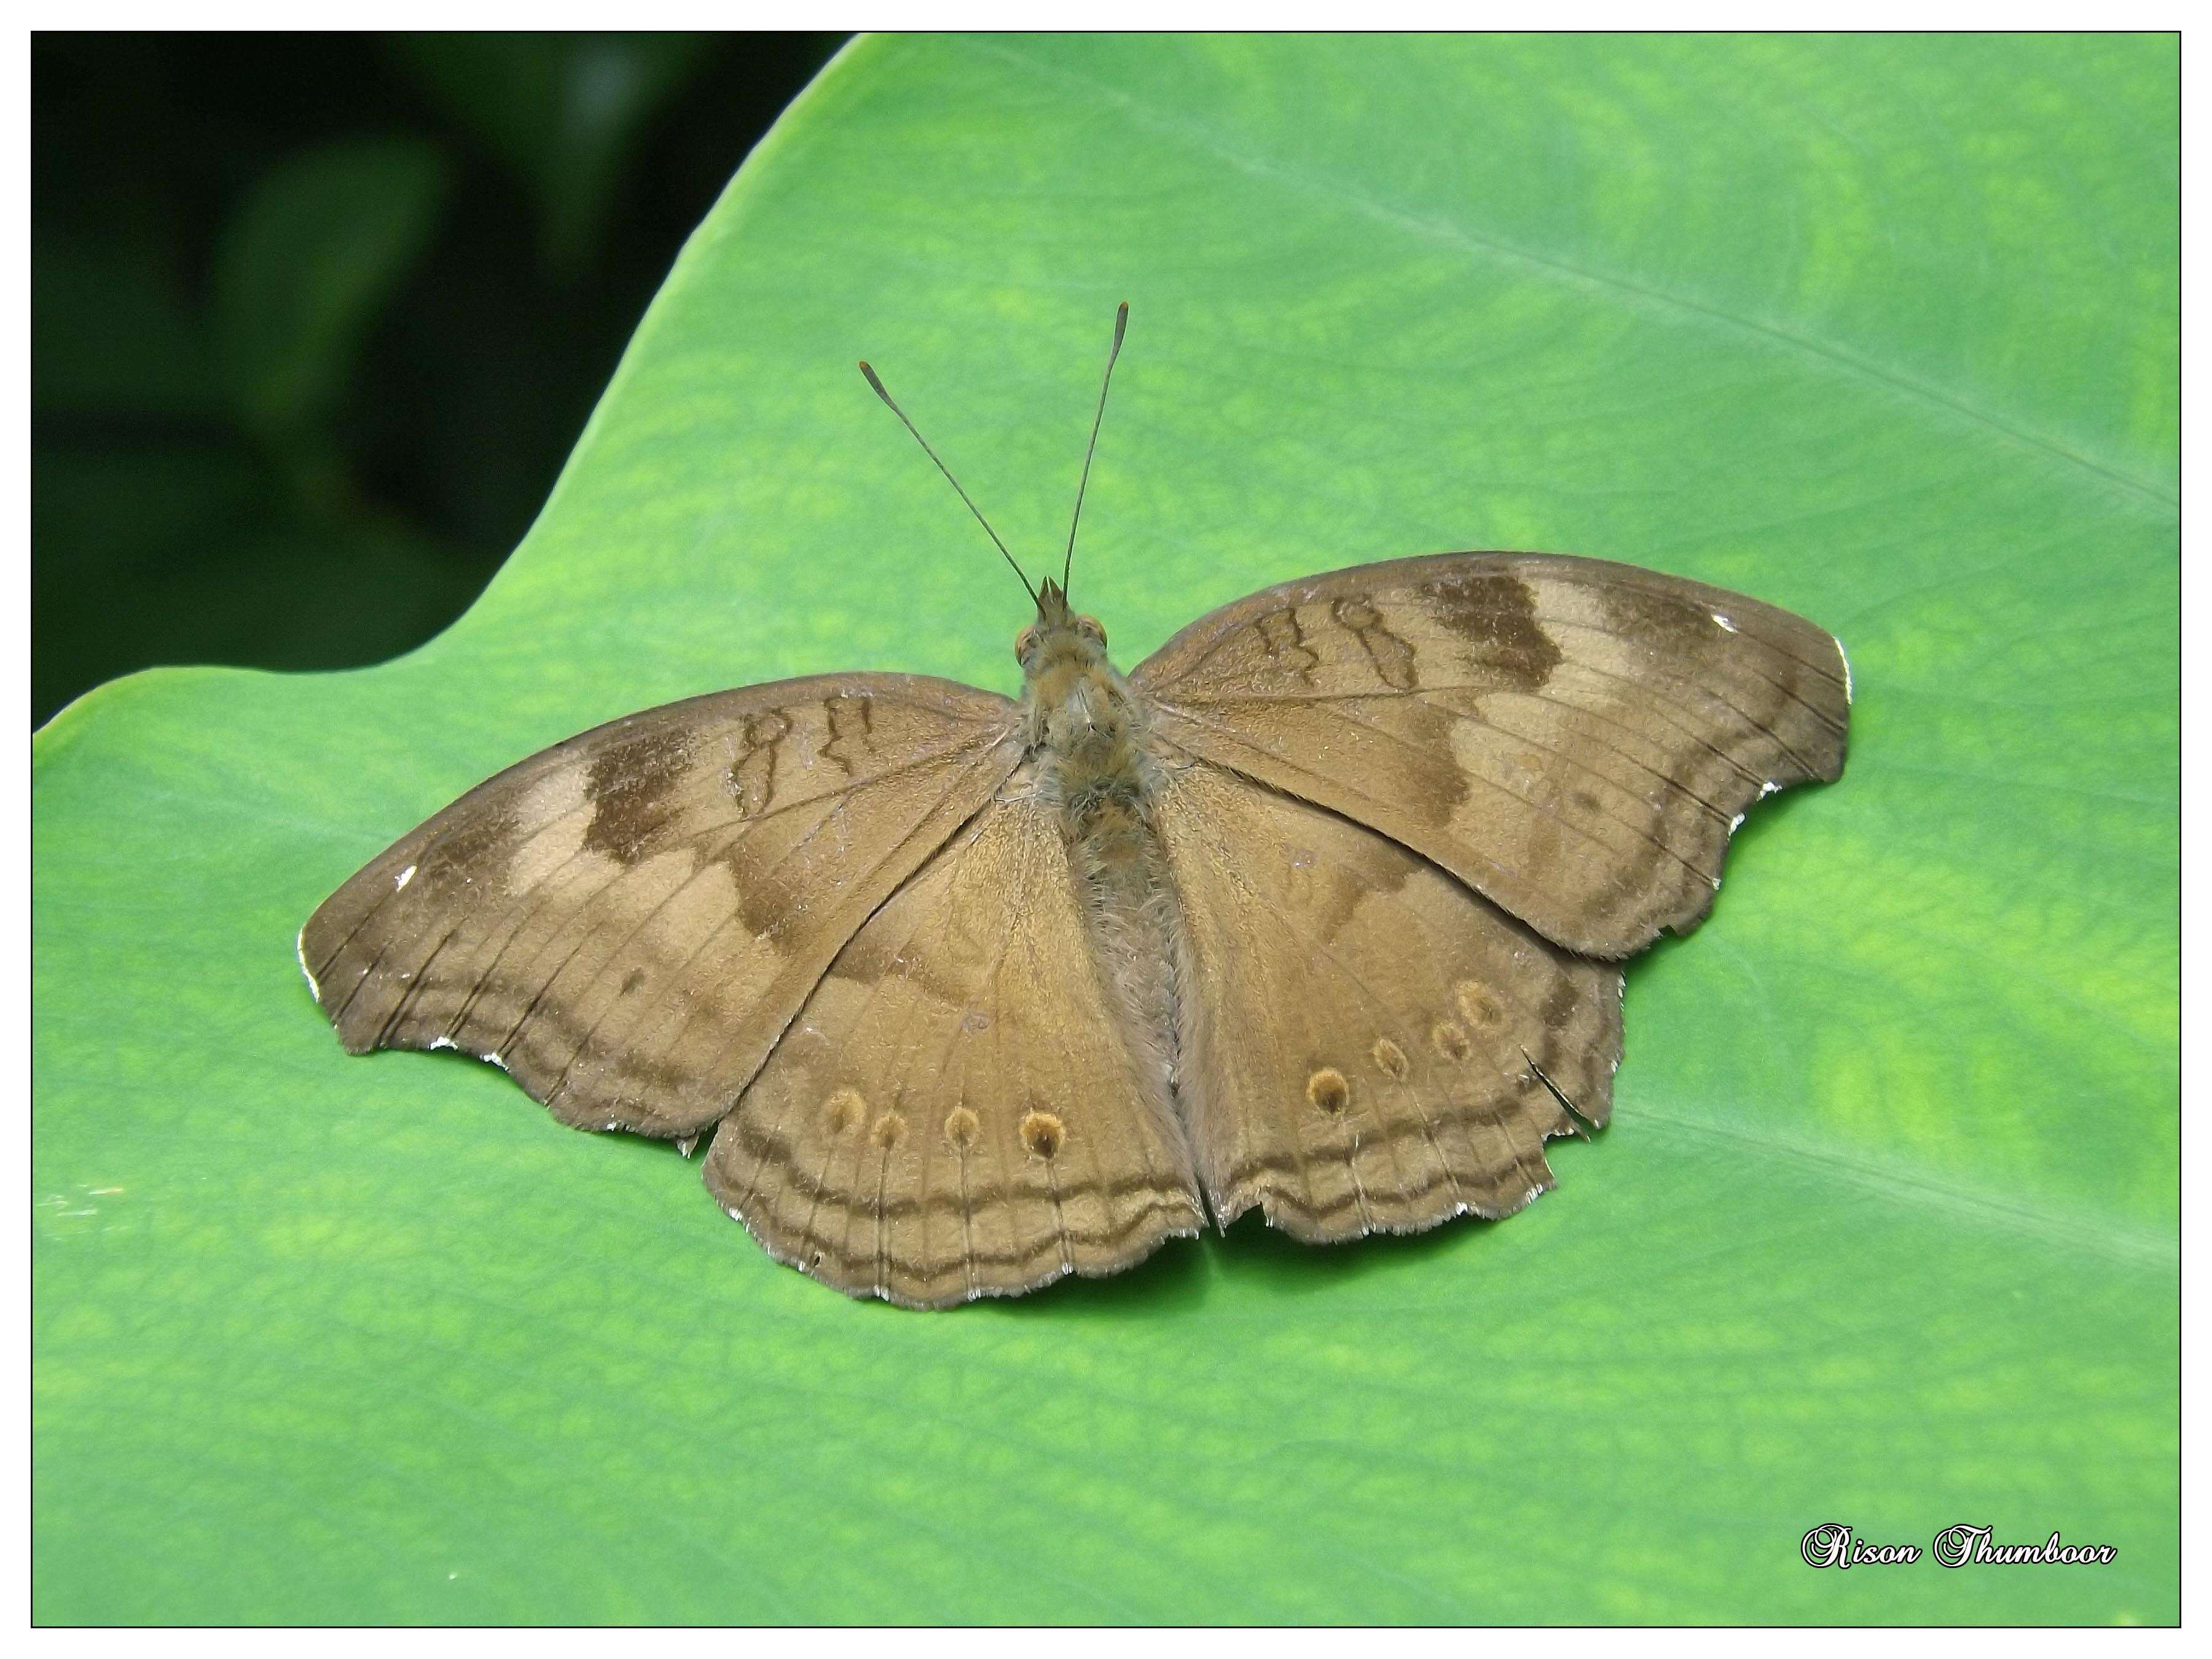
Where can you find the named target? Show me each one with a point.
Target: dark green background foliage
(316, 318)
(1885, 1231)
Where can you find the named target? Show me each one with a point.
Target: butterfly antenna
(950, 479)
(1120, 327)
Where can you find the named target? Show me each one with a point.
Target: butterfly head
(1060, 640)
(1074, 698)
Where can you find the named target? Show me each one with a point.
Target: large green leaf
(1885, 1232)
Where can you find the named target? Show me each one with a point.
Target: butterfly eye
(1090, 625)
(1023, 642)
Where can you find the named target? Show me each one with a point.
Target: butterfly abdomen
(1132, 912)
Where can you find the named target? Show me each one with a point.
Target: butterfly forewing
(962, 1107)
(1368, 1041)
(1577, 739)
(626, 921)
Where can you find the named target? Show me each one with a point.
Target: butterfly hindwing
(1576, 740)
(627, 921)
(961, 1109)
(1369, 1046)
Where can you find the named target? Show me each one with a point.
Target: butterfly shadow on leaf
(1263, 1262)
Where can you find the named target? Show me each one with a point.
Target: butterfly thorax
(1085, 726)
(1085, 729)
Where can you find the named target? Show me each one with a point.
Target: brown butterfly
(1320, 909)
